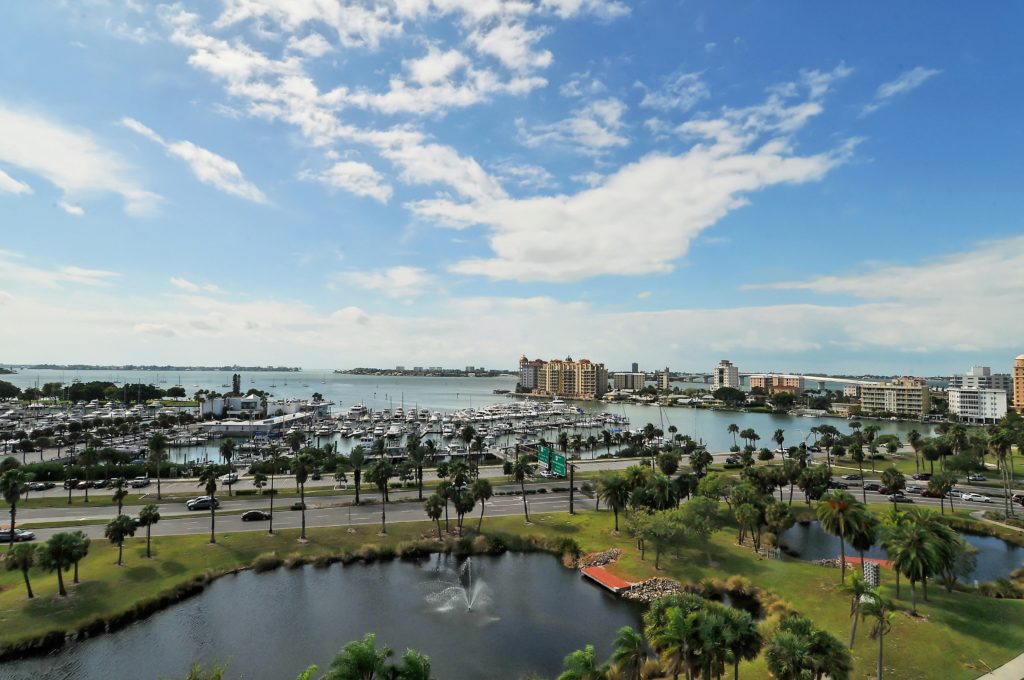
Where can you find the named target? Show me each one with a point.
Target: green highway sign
(558, 464)
(544, 456)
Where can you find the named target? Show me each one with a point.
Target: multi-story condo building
(725, 375)
(633, 382)
(977, 404)
(635, 368)
(906, 397)
(851, 391)
(982, 377)
(1018, 384)
(664, 379)
(773, 383)
(582, 379)
(529, 372)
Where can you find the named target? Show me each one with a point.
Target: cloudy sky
(332, 183)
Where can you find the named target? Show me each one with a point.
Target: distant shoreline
(131, 367)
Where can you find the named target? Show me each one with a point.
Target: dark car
(316, 477)
(922, 476)
(48, 485)
(71, 483)
(84, 484)
(872, 486)
(255, 516)
(927, 493)
(853, 476)
(19, 535)
(838, 485)
(201, 503)
(100, 484)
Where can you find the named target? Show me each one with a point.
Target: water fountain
(459, 589)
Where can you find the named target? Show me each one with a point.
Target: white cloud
(312, 45)
(513, 45)
(642, 217)
(355, 24)
(906, 82)
(643, 295)
(582, 85)
(14, 270)
(524, 175)
(12, 186)
(192, 287)
(71, 208)
(395, 282)
(359, 178)
(593, 129)
(70, 159)
(208, 167)
(679, 92)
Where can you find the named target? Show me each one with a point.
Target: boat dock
(606, 579)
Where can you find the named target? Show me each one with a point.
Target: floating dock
(606, 579)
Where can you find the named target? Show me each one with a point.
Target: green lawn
(959, 635)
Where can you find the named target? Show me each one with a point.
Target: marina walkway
(605, 578)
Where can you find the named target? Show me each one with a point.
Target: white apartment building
(982, 377)
(907, 397)
(725, 375)
(632, 382)
(977, 405)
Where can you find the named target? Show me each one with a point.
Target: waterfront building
(725, 375)
(851, 391)
(664, 379)
(632, 382)
(773, 383)
(1018, 384)
(529, 373)
(982, 377)
(583, 379)
(905, 397)
(977, 405)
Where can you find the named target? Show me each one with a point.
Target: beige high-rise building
(773, 383)
(1018, 384)
(581, 379)
(906, 397)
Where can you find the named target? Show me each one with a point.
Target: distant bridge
(822, 379)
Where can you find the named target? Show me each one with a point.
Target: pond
(528, 613)
(996, 557)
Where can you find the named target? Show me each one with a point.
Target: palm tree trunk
(120, 551)
(853, 632)
(358, 474)
(419, 475)
(158, 496)
(480, 524)
(383, 513)
(272, 494)
(302, 504)
(913, 597)
(615, 509)
(842, 559)
(60, 584)
(28, 585)
(213, 520)
(863, 491)
(438, 522)
(148, 532)
(75, 578)
(526, 508)
(10, 546)
(881, 638)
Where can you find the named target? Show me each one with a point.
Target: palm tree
(380, 473)
(606, 437)
(295, 439)
(275, 454)
(120, 488)
(227, 452)
(522, 469)
(1000, 443)
(615, 492)
(889, 529)
(434, 507)
(88, 459)
(303, 464)
(360, 660)
(12, 485)
(915, 553)
(464, 503)
(742, 638)
(22, 558)
(629, 653)
(417, 457)
(733, 429)
(779, 437)
(675, 640)
(81, 550)
(836, 513)
(58, 554)
(482, 492)
(148, 516)
(208, 480)
(157, 454)
(356, 458)
(864, 532)
(880, 611)
(466, 434)
(583, 665)
(857, 588)
(118, 531)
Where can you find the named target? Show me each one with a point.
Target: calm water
(996, 557)
(273, 625)
(449, 394)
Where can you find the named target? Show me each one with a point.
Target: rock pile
(835, 563)
(652, 589)
(598, 559)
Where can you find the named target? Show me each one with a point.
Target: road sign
(544, 456)
(558, 464)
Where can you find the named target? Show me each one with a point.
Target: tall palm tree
(733, 429)
(380, 473)
(357, 458)
(466, 434)
(118, 531)
(629, 653)
(120, 487)
(742, 638)
(836, 512)
(157, 454)
(880, 611)
(856, 589)
(88, 460)
(303, 464)
(418, 457)
(522, 469)
(295, 439)
(482, 492)
(864, 533)
(583, 665)
(1000, 443)
(615, 491)
(675, 641)
(12, 485)
(889, 529)
(148, 516)
(606, 437)
(779, 437)
(22, 558)
(58, 554)
(434, 507)
(208, 480)
(916, 553)
(274, 451)
(81, 551)
(227, 452)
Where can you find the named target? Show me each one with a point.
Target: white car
(974, 477)
(976, 497)
(229, 478)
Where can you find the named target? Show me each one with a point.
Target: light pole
(572, 490)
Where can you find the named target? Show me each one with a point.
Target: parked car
(922, 476)
(70, 483)
(229, 479)
(976, 477)
(100, 484)
(872, 486)
(255, 516)
(202, 503)
(976, 497)
(838, 485)
(814, 449)
(732, 460)
(84, 484)
(914, 488)
(316, 476)
(36, 486)
(927, 493)
(48, 485)
(955, 493)
(19, 535)
(1018, 498)
(140, 482)
(854, 476)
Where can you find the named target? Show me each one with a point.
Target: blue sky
(336, 183)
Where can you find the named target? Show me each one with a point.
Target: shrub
(266, 562)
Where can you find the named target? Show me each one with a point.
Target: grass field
(959, 635)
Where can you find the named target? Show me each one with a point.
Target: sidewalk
(1011, 670)
(980, 516)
